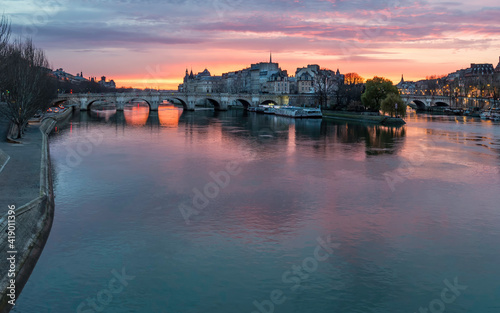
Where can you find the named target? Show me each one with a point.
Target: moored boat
(269, 110)
(260, 109)
(491, 115)
(299, 112)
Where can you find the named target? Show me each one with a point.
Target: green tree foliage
(388, 105)
(377, 90)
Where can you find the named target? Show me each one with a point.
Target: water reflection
(136, 115)
(303, 179)
(258, 129)
(169, 115)
(376, 138)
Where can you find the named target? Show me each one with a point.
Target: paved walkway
(20, 178)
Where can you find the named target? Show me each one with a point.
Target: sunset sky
(150, 43)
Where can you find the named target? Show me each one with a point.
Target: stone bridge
(421, 101)
(220, 101)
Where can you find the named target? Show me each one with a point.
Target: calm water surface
(398, 210)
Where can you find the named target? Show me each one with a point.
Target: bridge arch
(65, 102)
(244, 102)
(91, 102)
(183, 103)
(441, 104)
(128, 100)
(213, 102)
(59, 101)
(269, 101)
(420, 105)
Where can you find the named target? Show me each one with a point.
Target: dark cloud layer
(121, 23)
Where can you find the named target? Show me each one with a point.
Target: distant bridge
(422, 102)
(220, 101)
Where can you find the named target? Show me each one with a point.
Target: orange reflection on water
(136, 115)
(169, 115)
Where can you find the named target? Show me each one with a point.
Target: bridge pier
(191, 103)
(120, 105)
(83, 104)
(154, 102)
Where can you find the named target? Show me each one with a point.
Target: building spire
(270, 57)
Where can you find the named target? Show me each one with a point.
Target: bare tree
(325, 85)
(4, 39)
(25, 82)
(4, 32)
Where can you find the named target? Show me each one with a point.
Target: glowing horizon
(150, 43)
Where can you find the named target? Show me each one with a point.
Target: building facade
(263, 77)
(203, 82)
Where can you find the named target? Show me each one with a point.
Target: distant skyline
(150, 43)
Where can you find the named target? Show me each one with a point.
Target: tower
(270, 57)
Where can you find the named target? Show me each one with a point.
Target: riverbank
(359, 117)
(26, 185)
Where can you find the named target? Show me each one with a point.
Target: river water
(237, 212)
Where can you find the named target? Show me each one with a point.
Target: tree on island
(376, 90)
(353, 79)
(25, 83)
(393, 105)
(349, 93)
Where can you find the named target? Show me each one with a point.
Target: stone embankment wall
(33, 222)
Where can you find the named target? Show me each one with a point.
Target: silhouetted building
(479, 70)
(104, 83)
